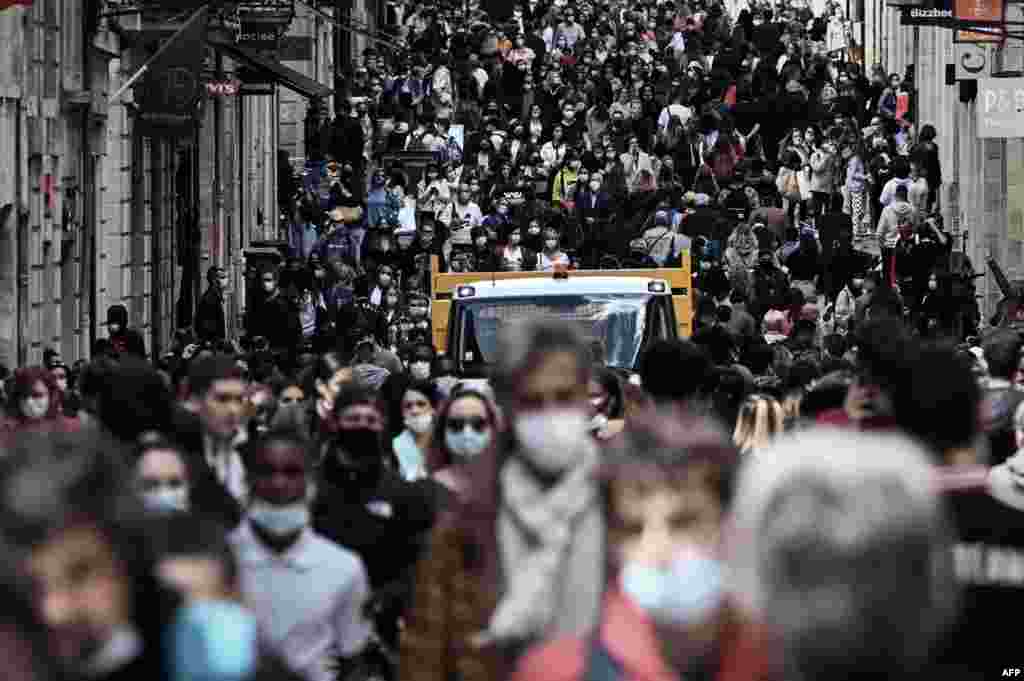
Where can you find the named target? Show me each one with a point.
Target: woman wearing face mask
(552, 256)
(846, 303)
(606, 404)
(514, 256)
(467, 427)
(933, 310)
(668, 487)
(34, 403)
(417, 404)
(390, 310)
(162, 477)
(385, 279)
(514, 561)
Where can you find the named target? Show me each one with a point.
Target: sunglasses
(477, 423)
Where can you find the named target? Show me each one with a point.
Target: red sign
(223, 88)
(980, 10)
(4, 4)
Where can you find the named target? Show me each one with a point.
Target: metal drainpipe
(87, 232)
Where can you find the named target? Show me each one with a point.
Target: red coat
(628, 635)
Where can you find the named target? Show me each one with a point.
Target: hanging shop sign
(259, 35)
(980, 10)
(959, 15)
(973, 61)
(1000, 107)
(223, 88)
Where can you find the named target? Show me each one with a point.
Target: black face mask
(355, 458)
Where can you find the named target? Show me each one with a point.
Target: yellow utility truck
(622, 310)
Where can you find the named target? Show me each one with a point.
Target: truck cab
(622, 311)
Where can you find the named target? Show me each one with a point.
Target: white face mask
(114, 329)
(595, 186)
(269, 286)
(466, 443)
(420, 370)
(420, 423)
(515, 239)
(166, 499)
(685, 592)
(280, 521)
(550, 439)
(35, 407)
(933, 285)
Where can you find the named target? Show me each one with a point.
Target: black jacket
(276, 319)
(211, 324)
(128, 342)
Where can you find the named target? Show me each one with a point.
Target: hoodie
(893, 215)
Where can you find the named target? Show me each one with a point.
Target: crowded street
(386, 340)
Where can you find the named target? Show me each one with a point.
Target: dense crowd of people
(822, 482)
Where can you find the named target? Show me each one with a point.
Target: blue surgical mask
(279, 521)
(213, 641)
(466, 443)
(685, 592)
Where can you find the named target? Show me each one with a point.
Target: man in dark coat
(123, 340)
(210, 322)
(272, 316)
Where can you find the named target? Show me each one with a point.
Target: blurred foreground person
(840, 550)
(215, 637)
(34, 404)
(516, 561)
(84, 544)
(307, 592)
(666, 614)
(938, 402)
(24, 645)
(882, 349)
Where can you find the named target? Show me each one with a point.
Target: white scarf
(551, 543)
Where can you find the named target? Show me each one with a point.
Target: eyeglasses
(477, 423)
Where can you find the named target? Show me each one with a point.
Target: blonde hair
(760, 420)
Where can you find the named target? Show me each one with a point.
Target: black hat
(116, 314)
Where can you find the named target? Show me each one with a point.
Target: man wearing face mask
(365, 506)
(271, 315)
(308, 594)
(124, 340)
(210, 322)
(594, 209)
(484, 257)
(665, 607)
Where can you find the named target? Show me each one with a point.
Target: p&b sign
(1000, 106)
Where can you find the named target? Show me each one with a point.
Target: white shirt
(546, 263)
(684, 113)
(227, 466)
(308, 601)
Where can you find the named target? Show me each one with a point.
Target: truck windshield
(616, 321)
